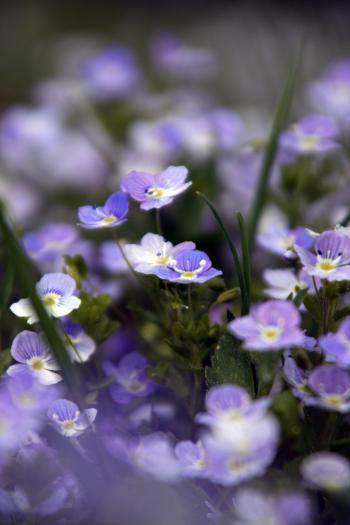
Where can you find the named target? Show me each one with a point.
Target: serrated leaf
(230, 364)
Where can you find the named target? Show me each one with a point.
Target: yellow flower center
(51, 299)
(109, 219)
(156, 192)
(235, 466)
(334, 401)
(164, 260)
(309, 142)
(68, 425)
(135, 386)
(326, 265)
(270, 334)
(37, 363)
(189, 275)
(200, 464)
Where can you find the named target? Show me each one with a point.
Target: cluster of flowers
(124, 420)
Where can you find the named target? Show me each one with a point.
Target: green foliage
(76, 268)
(5, 360)
(93, 316)
(285, 406)
(266, 366)
(230, 364)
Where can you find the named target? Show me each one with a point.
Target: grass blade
(22, 268)
(240, 276)
(271, 150)
(245, 256)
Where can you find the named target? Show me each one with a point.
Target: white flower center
(155, 192)
(270, 334)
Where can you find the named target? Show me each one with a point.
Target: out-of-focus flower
(191, 266)
(155, 191)
(31, 352)
(254, 507)
(231, 403)
(50, 243)
(296, 377)
(330, 94)
(130, 377)
(272, 325)
(155, 455)
(327, 471)
(154, 252)
(67, 418)
(112, 214)
(330, 386)
(313, 135)
(192, 459)
(284, 241)
(111, 258)
(285, 283)
(30, 395)
(331, 260)
(82, 346)
(179, 61)
(337, 346)
(56, 292)
(111, 75)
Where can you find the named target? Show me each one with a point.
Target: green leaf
(93, 316)
(228, 295)
(266, 366)
(7, 287)
(300, 296)
(271, 150)
(241, 280)
(76, 268)
(25, 282)
(230, 364)
(285, 406)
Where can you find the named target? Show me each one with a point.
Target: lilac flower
(67, 418)
(327, 471)
(29, 349)
(172, 57)
(155, 191)
(111, 258)
(254, 507)
(331, 93)
(192, 459)
(112, 214)
(296, 377)
(154, 252)
(155, 455)
(331, 388)
(285, 283)
(242, 449)
(56, 292)
(191, 266)
(130, 377)
(50, 243)
(82, 344)
(331, 260)
(231, 403)
(111, 75)
(272, 325)
(314, 134)
(284, 241)
(29, 395)
(337, 346)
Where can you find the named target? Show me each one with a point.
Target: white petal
(66, 307)
(46, 377)
(23, 308)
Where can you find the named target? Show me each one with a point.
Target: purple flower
(253, 507)
(191, 266)
(154, 252)
(296, 377)
(29, 395)
(29, 349)
(314, 134)
(326, 471)
(82, 347)
(192, 459)
(111, 75)
(50, 243)
(331, 93)
(155, 455)
(273, 325)
(337, 346)
(56, 292)
(331, 388)
(130, 377)
(285, 283)
(112, 214)
(111, 258)
(331, 260)
(284, 241)
(231, 403)
(155, 191)
(67, 418)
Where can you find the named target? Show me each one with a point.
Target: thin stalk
(245, 257)
(271, 150)
(240, 276)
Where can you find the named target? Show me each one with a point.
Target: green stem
(241, 280)
(245, 258)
